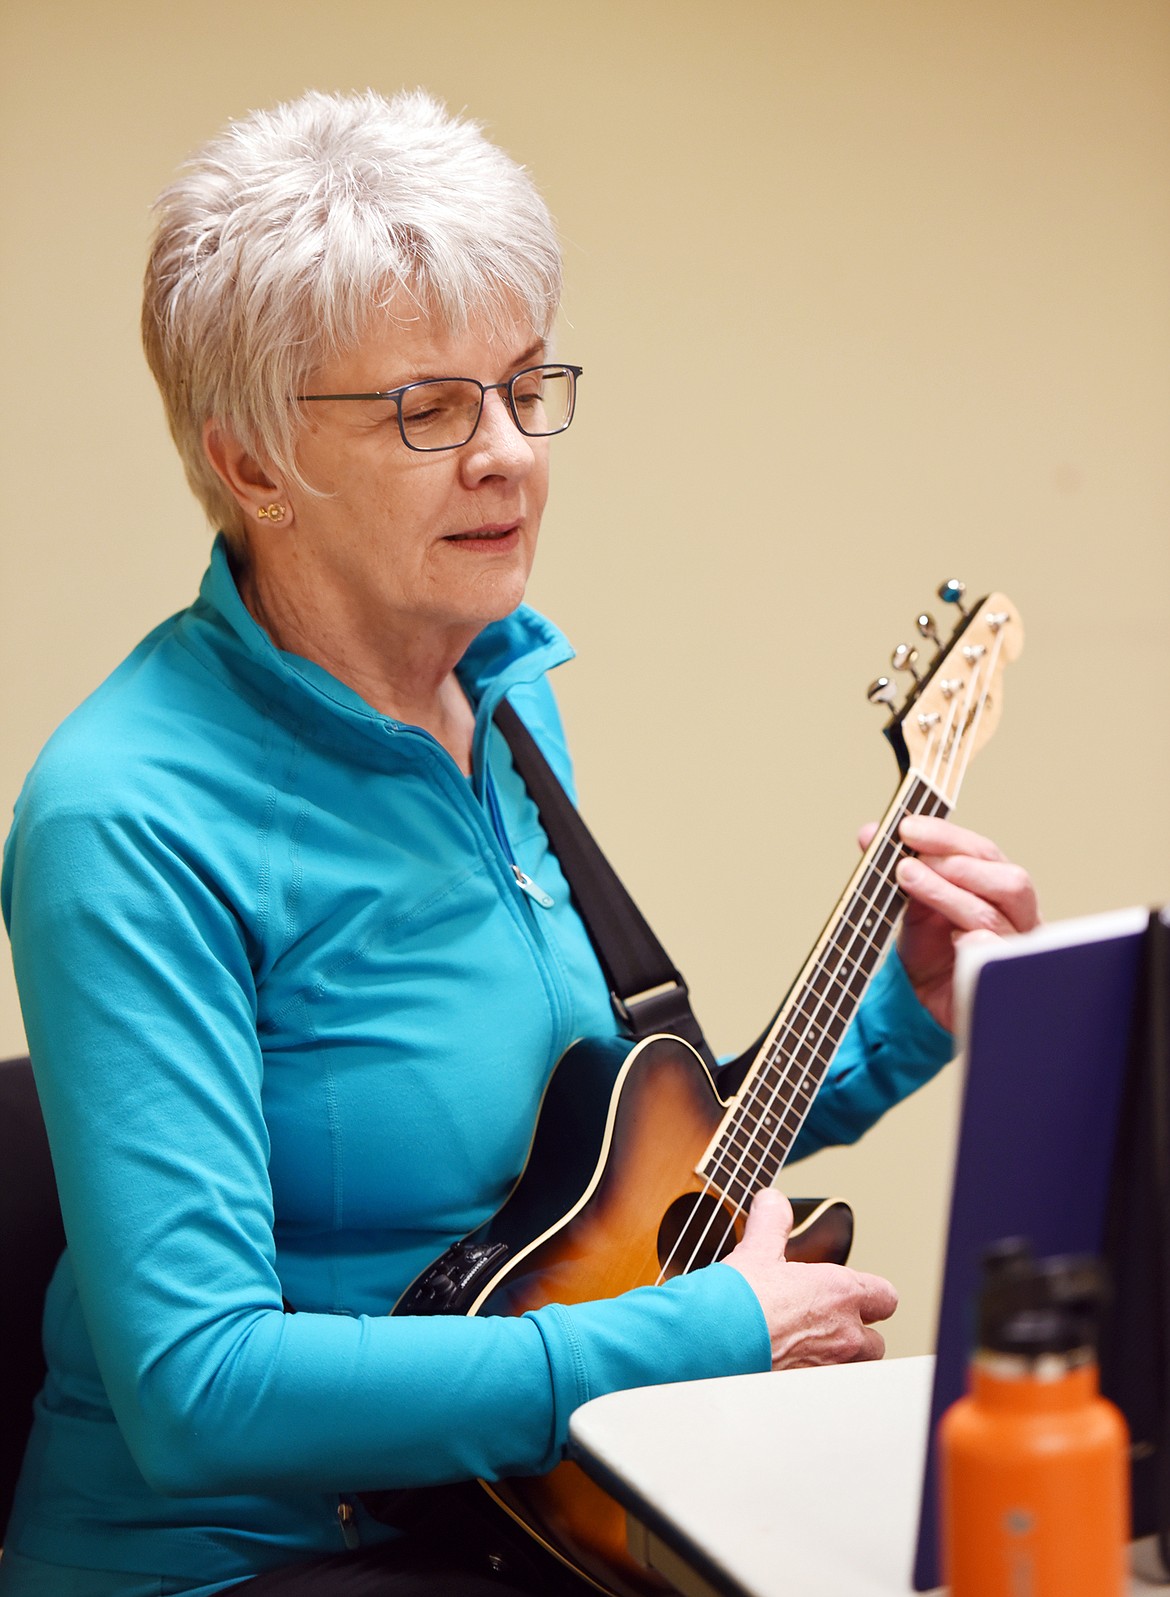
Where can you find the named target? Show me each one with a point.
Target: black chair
(31, 1240)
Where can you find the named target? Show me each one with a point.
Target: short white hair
(281, 237)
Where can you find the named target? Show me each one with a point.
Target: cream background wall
(868, 293)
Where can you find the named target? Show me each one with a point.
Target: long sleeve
(142, 1012)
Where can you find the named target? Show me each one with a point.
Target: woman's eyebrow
(422, 374)
(529, 355)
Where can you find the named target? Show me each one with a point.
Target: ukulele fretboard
(759, 1131)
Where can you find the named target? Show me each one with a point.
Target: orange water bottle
(1033, 1462)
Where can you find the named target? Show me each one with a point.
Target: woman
(290, 1005)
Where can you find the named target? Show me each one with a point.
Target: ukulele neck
(758, 1131)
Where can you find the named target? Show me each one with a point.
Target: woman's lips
(493, 534)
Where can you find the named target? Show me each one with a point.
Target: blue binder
(1047, 1023)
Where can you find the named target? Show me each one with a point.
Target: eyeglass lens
(444, 414)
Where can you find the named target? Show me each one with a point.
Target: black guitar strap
(648, 995)
(648, 992)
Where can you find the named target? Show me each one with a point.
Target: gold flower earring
(271, 513)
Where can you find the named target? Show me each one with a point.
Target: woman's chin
(467, 614)
(496, 590)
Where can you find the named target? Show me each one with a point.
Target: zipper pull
(533, 889)
(345, 1518)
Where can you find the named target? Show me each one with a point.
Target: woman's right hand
(816, 1313)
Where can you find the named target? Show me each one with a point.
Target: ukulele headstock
(953, 700)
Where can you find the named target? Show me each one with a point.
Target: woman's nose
(498, 445)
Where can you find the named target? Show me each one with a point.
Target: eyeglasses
(443, 412)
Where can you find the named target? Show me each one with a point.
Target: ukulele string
(948, 748)
(862, 941)
(943, 795)
(944, 743)
(955, 738)
(751, 1181)
(792, 1037)
(707, 1190)
(771, 1112)
(970, 740)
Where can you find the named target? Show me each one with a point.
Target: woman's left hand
(958, 887)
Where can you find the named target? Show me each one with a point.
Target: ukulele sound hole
(695, 1230)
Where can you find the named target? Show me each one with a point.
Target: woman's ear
(247, 479)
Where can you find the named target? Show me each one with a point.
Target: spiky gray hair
(281, 237)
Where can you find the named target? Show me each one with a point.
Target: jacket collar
(506, 654)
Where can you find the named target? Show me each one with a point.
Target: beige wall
(868, 294)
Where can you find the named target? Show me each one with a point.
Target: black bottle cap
(1030, 1306)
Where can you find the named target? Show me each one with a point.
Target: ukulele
(606, 1202)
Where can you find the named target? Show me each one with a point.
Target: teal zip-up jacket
(291, 1017)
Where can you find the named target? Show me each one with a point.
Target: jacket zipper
(524, 881)
(531, 889)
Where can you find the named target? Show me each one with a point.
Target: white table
(804, 1484)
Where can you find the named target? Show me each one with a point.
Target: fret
(742, 1138)
(739, 1190)
(860, 919)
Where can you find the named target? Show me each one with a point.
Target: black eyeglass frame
(506, 389)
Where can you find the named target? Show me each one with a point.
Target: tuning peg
(904, 658)
(952, 593)
(927, 629)
(881, 691)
